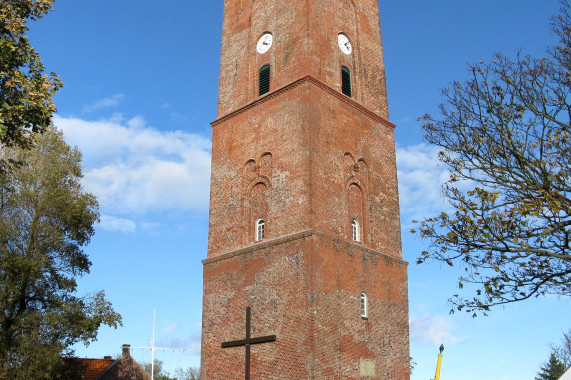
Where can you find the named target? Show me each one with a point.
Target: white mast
(153, 348)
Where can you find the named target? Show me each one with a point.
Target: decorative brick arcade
(304, 219)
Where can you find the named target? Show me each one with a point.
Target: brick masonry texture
(319, 146)
(305, 289)
(308, 160)
(305, 43)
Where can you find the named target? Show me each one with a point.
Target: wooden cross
(248, 341)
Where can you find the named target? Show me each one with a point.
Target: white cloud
(420, 182)
(194, 348)
(171, 327)
(177, 117)
(112, 101)
(151, 227)
(134, 169)
(112, 223)
(433, 330)
(191, 344)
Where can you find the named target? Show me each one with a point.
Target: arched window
(260, 229)
(364, 306)
(346, 81)
(355, 230)
(264, 79)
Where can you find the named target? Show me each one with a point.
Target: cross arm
(243, 342)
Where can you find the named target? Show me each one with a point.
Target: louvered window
(264, 79)
(346, 81)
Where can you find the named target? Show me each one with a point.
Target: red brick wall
(307, 160)
(305, 43)
(305, 289)
(320, 144)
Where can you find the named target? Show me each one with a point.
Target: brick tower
(304, 250)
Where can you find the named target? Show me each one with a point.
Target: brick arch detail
(357, 208)
(256, 194)
(357, 174)
(357, 170)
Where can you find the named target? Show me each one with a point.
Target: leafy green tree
(563, 351)
(552, 370)
(159, 372)
(26, 104)
(191, 373)
(506, 138)
(45, 220)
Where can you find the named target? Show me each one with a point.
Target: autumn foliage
(505, 136)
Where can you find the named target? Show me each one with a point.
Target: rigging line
(164, 362)
(171, 360)
(180, 359)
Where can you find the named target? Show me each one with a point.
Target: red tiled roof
(93, 368)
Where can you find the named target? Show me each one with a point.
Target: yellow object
(437, 376)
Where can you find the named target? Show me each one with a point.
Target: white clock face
(265, 43)
(344, 44)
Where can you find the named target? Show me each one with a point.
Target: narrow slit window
(346, 81)
(260, 229)
(355, 230)
(364, 306)
(264, 79)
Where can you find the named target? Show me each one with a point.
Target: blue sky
(141, 90)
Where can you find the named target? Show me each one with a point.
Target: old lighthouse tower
(304, 277)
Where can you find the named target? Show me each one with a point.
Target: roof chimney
(126, 350)
(107, 357)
